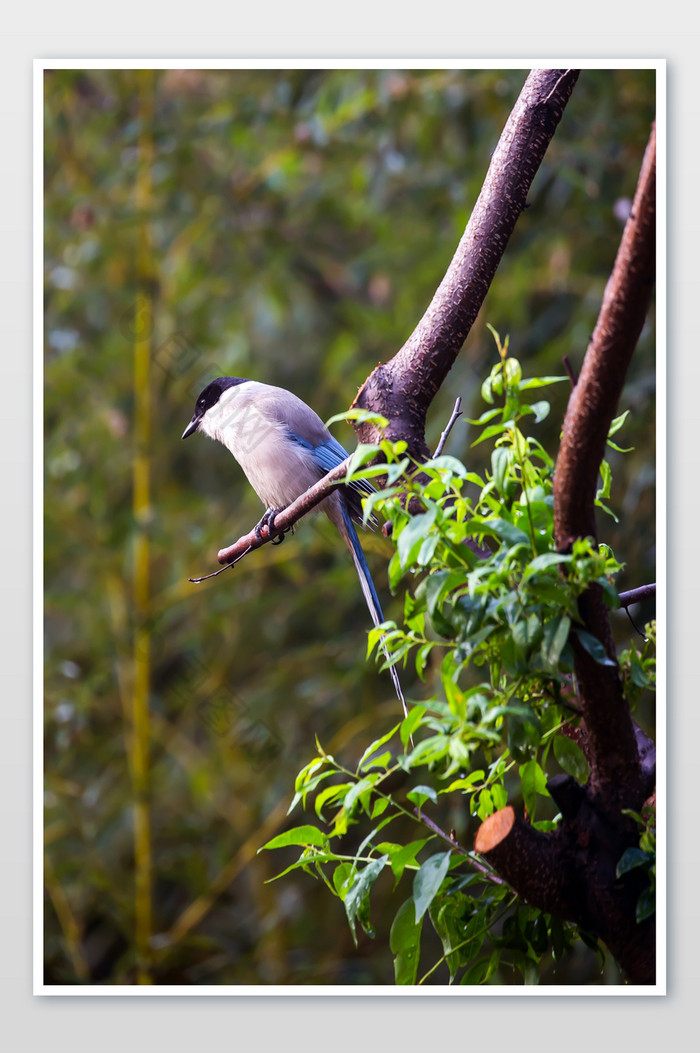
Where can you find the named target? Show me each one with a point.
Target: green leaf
(411, 537)
(501, 459)
(361, 455)
(594, 647)
(420, 794)
(556, 634)
(341, 874)
(618, 422)
(359, 891)
(571, 757)
(446, 463)
(448, 922)
(533, 781)
(504, 530)
(540, 382)
(409, 724)
(367, 760)
(364, 786)
(544, 562)
(646, 905)
(299, 835)
(488, 433)
(404, 941)
(540, 409)
(404, 857)
(329, 794)
(379, 807)
(427, 881)
(362, 415)
(630, 859)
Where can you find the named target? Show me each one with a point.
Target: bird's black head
(208, 398)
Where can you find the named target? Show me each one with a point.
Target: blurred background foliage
(289, 226)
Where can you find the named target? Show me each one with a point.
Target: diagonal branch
(405, 386)
(286, 517)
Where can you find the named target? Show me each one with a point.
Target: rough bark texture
(615, 769)
(571, 873)
(403, 388)
(594, 400)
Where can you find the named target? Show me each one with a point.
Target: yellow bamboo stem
(72, 933)
(140, 737)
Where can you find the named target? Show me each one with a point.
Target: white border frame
(40, 65)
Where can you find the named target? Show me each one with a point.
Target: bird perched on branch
(284, 448)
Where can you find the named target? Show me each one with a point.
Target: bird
(284, 447)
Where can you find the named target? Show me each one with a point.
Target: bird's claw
(268, 521)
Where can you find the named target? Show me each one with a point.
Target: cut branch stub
(571, 873)
(527, 859)
(404, 387)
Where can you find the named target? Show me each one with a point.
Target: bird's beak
(191, 427)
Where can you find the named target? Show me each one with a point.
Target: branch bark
(405, 386)
(286, 517)
(572, 873)
(592, 406)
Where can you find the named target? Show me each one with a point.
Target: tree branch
(571, 872)
(592, 406)
(286, 518)
(529, 860)
(594, 399)
(644, 592)
(405, 386)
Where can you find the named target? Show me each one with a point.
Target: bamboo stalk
(72, 933)
(140, 738)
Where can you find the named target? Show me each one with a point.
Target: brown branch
(592, 406)
(572, 873)
(570, 372)
(405, 386)
(529, 860)
(456, 412)
(457, 847)
(285, 519)
(594, 400)
(644, 592)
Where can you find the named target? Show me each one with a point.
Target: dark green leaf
(427, 881)
(646, 905)
(556, 634)
(570, 757)
(404, 941)
(359, 891)
(630, 859)
(594, 647)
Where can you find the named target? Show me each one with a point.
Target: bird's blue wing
(327, 456)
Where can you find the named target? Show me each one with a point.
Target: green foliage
(497, 622)
(643, 858)
(299, 223)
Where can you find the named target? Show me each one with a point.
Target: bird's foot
(268, 521)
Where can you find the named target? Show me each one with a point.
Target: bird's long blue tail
(368, 590)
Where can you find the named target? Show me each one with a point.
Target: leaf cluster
(490, 612)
